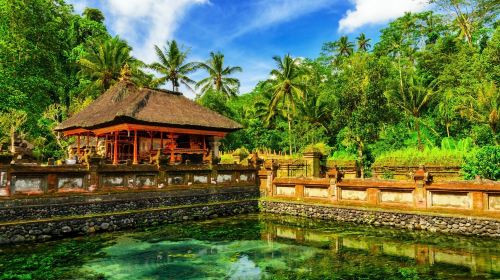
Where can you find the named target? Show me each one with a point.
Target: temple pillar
(115, 149)
(214, 145)
(135, 148)
(78, 145)
(173, 145)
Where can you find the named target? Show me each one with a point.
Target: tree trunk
(12, 140)
(289, 127)
(360, 160)
(417, 127)
(448, 129)
(400, 75)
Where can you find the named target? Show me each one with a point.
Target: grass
(341, 158)
(430, 156)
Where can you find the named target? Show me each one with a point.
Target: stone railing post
(266, 177)
(313, 162)
(51, 183)
(5, 178)
(373, 196)
(335, 176)
(421, 178)
(94, 181)
(299, 192)
(479, 199)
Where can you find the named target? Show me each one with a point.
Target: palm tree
(447, 110)
(413, 99)
(172, 66)
(218, 76)
(363, 42)
(344, 47)
(483, 107)
(104, 62)
(285, 87)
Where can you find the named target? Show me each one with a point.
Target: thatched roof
(124, 102)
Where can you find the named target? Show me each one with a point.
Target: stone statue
(21, 148)
(101, 149)
(71, 153)
(155, 158)
(87, 155)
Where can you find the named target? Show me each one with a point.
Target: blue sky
(249, 33)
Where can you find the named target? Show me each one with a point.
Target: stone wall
(405, 220)
(43, 202)
(478, 198)
(21, 180)
(71, 226)
(78, 205)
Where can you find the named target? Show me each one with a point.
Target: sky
(248, 32)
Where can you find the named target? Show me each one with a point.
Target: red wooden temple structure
(131, 123)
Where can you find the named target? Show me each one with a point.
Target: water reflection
(475, 259)
(257, 247)
(288, 248)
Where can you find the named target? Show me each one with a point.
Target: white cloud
(368, 12)
(160, 18)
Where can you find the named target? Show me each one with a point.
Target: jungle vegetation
(429, 84)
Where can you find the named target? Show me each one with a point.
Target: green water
(256, 247)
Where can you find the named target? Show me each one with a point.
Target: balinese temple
(128, 123)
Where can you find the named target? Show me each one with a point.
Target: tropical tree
(337, 50)
(104, 62)
(413, 97)
(470, 15)
(218, 76)
(10, 122)
(363, 42)
(93, 14)
(344, 47)
(446, 110)
(172, 66)
(361, 104)
(484, 107)
(286, 87)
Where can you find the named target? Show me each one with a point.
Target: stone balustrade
(32, 180)
(421, 193)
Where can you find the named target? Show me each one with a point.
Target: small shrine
(140, 125)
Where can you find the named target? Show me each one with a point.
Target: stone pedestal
(214, 146)
(313, 163)
(334, 175)
(421, 177)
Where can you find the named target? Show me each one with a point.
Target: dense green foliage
(424, 83)
(430, 76)
(485, 163)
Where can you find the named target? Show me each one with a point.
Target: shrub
(226, 159)
(485, 162)
(320, 147)
(429, 156)
(341, 159)
(241, 152)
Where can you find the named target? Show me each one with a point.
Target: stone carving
(21, 148)
(101, 149)
(86, 156)
(155, 159)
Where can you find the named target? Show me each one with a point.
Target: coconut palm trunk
(289, 126)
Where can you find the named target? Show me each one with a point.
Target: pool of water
(256, 246)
